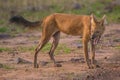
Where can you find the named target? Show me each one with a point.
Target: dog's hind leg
(44, 40)
(55, 42)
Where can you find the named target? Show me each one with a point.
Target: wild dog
(86, 26)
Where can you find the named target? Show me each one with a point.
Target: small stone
(43, 63)
(81, 60)
(20, 60)
(57, 65)
(79, 45)
(105, 57)
(88, 76)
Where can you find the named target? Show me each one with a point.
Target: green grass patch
(61, 48)
(5, 66)
(2, 22)
(3, 29)
(26, 49)
(117, 47)
(4, 49)
(37, 15)
(57, 9)
(115, 15)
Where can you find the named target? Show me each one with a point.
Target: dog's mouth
(96, 40)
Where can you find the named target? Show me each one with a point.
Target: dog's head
(97, 28)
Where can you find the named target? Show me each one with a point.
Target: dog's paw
(95, 66)
(90, 67)
(36, 66)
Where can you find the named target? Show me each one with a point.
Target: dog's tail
(22, 21)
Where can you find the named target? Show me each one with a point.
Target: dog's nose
(93, 36)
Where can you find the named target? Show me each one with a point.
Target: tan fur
(77, 25)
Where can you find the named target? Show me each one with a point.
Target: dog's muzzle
(95, 39)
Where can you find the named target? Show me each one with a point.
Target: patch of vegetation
(117, 47)
(4, 49)
(2, 21)
(26, 49)
(47, 47)
(61, 48)
(98, 8)
(39, 9)
(3, 29)
(5, 66)
(115, 15)
(29, 15)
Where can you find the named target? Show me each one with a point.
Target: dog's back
(69, 23)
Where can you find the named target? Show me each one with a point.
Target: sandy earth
(73, 66)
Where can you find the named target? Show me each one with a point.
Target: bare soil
(73, 65)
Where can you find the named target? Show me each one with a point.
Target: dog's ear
(93, 18)
(104, 21)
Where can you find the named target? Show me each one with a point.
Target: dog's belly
(75, 31)
(71, 28)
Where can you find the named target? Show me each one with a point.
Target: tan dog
(86, 26)
(77, 25)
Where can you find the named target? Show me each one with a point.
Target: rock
(116, 40)
(79, 46)
(76, 6)
(20, 60)
(81, 60)
(4, 36)
(43, 63)
(105, 57)
(36, 42)
(57, 65)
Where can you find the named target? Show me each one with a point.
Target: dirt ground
(73, 66)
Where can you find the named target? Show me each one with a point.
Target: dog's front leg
(92, 50)
(86, 56)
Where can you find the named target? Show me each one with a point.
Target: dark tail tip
(15, 19)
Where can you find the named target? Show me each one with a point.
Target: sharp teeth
(95, 41)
